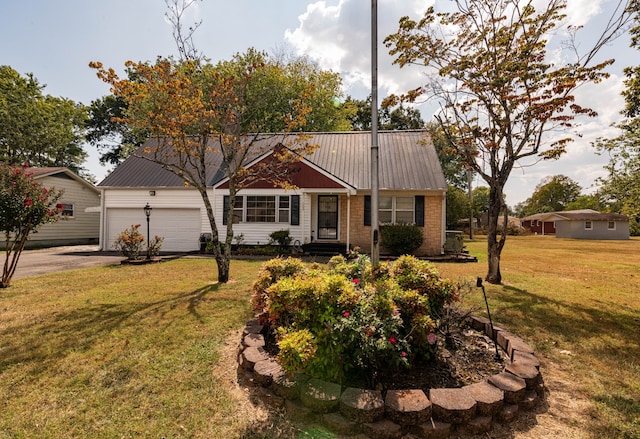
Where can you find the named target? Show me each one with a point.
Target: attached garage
(180, 227)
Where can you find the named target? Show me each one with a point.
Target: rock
(408, 407)
(528, 373)
(251, 355)
(339, 424)
(434, 430)
(526, 358)
(384, 429)
(266, 370)
(488, 397)
(299, 412)
(530, 400)
(320, 396)
(479, 425)
(253, 340)
(455, 406)
(508, 413)
(360, 405)
(514, 387)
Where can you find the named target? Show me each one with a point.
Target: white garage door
(180, 227)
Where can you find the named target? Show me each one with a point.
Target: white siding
(178, 214)
(258, 233)
(83, 227)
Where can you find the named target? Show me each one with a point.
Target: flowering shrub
(341, 322)
(25, 205)
(130, 242)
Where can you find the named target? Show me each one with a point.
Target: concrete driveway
(36, 262)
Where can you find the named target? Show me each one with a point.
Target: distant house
(331, 204)
(80, 223)
(578, 224)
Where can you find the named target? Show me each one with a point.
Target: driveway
(36, 262)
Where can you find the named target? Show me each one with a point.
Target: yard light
(147, 212)
(493, 335)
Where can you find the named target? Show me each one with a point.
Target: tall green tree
(25, 205)
(108, 133)
(38, 129)
(552, 194)
(621, 187)
(501, 98)
(392, 116)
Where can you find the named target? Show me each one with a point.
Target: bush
(401, 239)
(130, 242)
(340, 322)
(281, 237)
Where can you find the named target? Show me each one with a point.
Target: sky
(56, 39)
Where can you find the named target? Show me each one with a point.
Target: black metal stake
(493, 336)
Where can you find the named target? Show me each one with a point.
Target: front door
(327, 217)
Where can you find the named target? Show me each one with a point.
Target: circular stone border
(472, 409)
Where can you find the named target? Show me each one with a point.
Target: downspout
(348, 221)
(103, 220)
(443, 227)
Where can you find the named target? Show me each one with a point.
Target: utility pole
(375, 233)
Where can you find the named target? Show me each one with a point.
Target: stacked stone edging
(471, 409)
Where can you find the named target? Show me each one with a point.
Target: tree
(115, 139)
(37, 129)
(454, 170)
(591, 201)
(389, 118)
(552, 194)
(501, 99)
(621, 188)
(457, 206)
(24, 206)
(480, 203)
(188, 105)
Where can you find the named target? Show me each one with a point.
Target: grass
(121, 351)
(578, 303)
(128, 351)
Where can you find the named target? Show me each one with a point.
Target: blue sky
(56, 39)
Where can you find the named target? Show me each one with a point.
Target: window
(238, 210)
(67, 210)
(264, 209)
(261, 209)
(283, 209)
(611, 225)
(588, 225)
(396, 210)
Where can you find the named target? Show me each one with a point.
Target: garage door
(180, 227)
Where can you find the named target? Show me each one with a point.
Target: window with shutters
(396, 210)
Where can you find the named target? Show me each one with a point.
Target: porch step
(324, 248)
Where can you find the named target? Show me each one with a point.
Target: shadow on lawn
(598, 334)
(48, 338)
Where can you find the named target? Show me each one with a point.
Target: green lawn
(128, 351)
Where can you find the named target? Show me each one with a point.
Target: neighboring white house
(331, 202)
(80, 222)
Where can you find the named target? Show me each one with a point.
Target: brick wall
(360, 235)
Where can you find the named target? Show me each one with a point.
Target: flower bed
(432, 413)
(327, 336)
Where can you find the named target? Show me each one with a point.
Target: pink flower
(368, 333)
(346, 314)
(395, 313)
(431, 338)
(28, 202)
(403, 354)
(393, 340)
(356, 281)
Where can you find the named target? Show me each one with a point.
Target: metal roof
(576, 215)
(407, 161)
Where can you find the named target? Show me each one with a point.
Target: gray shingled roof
(407, 160)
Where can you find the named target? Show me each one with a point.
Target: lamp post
(147, 212)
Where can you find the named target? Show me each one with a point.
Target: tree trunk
(223, 263)
(495, 244)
